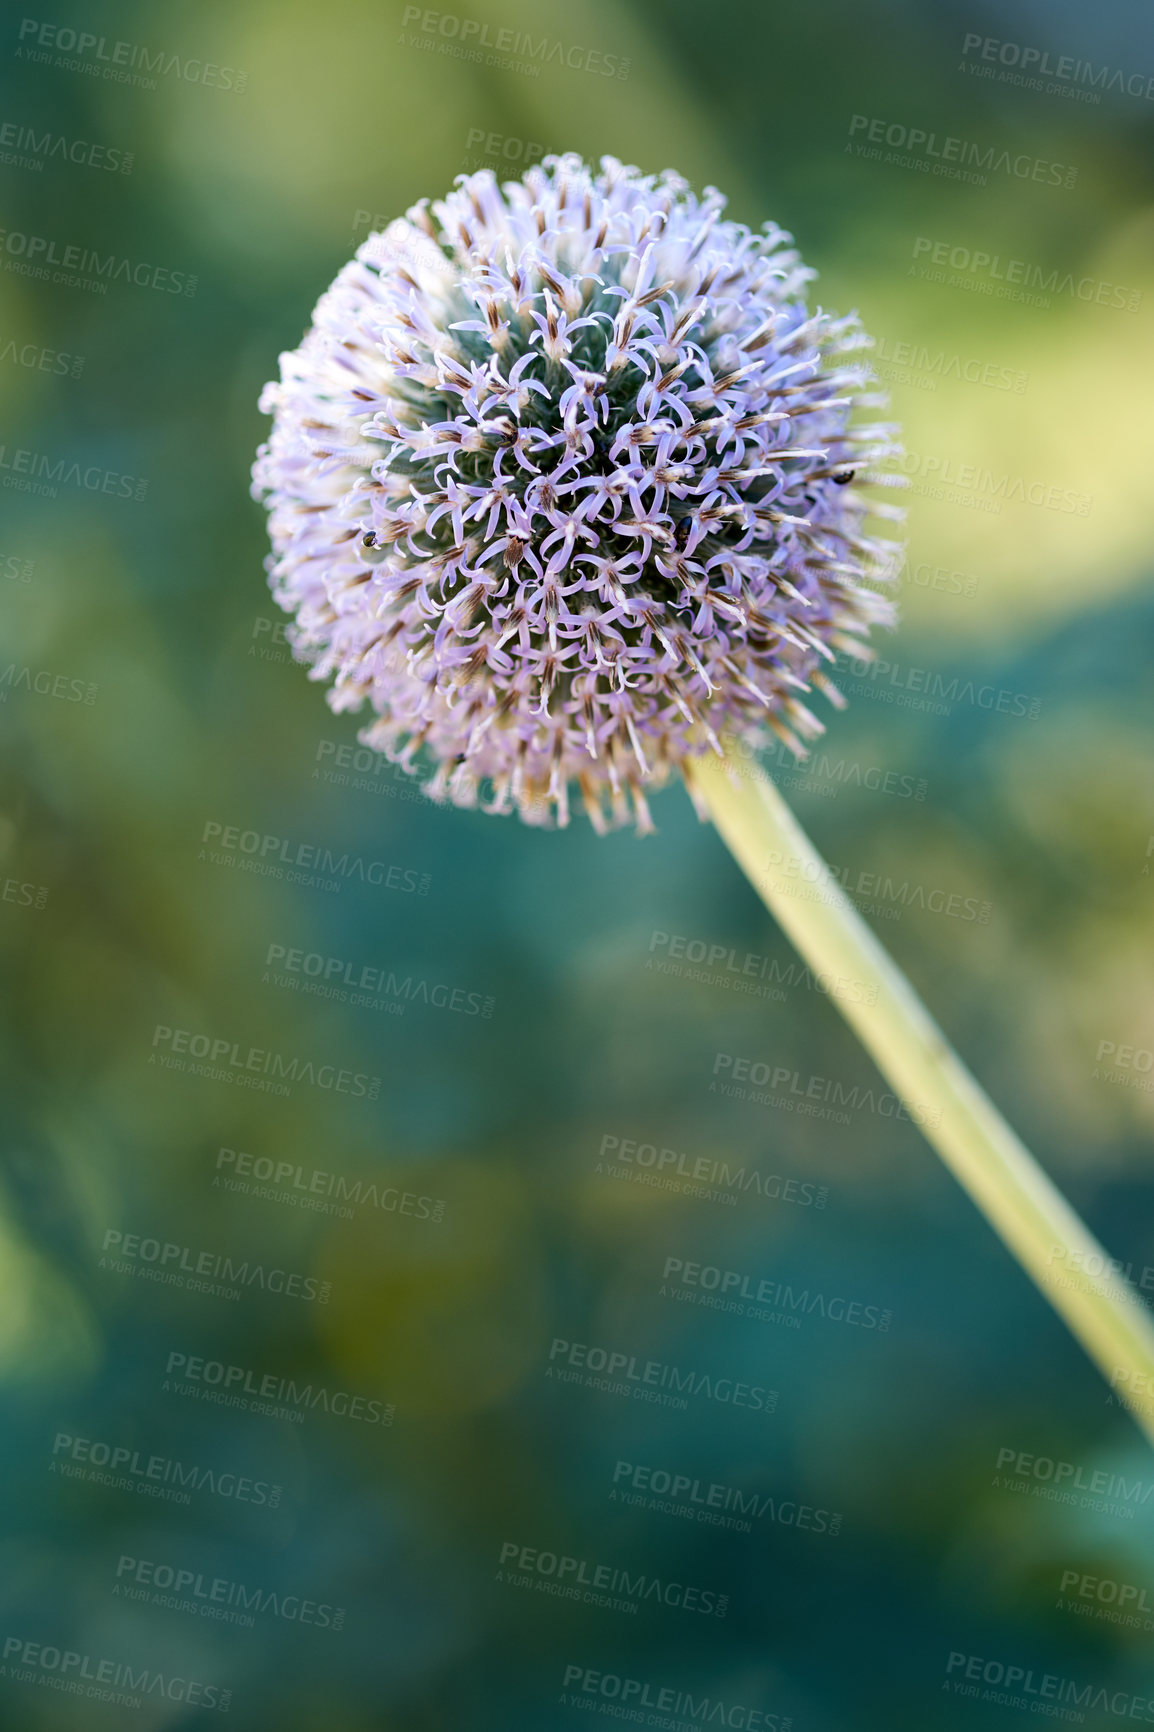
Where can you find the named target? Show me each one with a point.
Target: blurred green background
(147, 702)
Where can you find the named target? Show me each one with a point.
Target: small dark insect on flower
(587, 423)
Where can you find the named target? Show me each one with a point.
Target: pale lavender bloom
(559, 481)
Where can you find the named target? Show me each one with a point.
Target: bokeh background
(147, 702)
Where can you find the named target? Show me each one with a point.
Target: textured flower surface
(564, 481)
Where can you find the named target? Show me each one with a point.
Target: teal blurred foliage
(1005, 861)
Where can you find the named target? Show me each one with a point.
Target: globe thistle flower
(564, 481)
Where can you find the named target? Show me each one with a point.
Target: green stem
(1018, 1199)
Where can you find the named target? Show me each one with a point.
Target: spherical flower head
(564, 481)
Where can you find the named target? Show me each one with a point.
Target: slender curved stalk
(1003, 1178)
